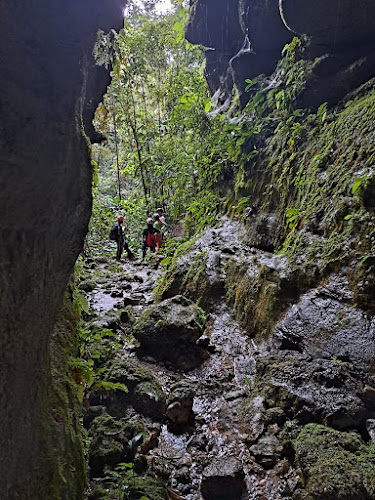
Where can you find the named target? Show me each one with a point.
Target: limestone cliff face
(45, 59)
(245, 39)
(307, 182)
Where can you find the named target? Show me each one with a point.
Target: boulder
(169, 331)
(111, 442)
(180, 403)
(335, 465)
(133, 299)
(145, 393)
(224, 479)
(267, 450)
(197, 276)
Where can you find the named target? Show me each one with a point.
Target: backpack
(113, 234)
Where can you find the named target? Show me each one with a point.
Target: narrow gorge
(239, 362)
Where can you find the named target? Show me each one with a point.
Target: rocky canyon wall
(303, 184)
(244, 39)
(45, 201)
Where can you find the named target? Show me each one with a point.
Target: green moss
(265, 370)
(316, 179)
(157, 318)
(131, 373)
(256, 297)
(335, 465)
(145, 392)
(111, 441)
(313, 171)
(170, 284)
(134, 485)
(61, 415)
(88, 284)
(196, 284)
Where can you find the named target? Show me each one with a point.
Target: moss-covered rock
(180, 403)
(318, 183)
(135, 486)
(196, 284)
(260, 289)
(306, 389)
(174, 276)
(111, 442)
(335, 465)
(188, 275)
(88, 284)
(145, 392)
(61, 424)
(169, 331)
(267, 450)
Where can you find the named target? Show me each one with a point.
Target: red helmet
(120, 218)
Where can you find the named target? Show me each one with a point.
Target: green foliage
(291, 51)
(316, 177)
(202, 211)
(123, 483)
(322, 112)
(104, 212)
(85, 370)
(154, 115)
(359, 185)
(87, 378)
(79, 300)
(313, 169)
(174, 148)
(157, 117)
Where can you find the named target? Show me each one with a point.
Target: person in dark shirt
(117, 234)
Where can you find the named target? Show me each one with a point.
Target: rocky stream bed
(246, 380)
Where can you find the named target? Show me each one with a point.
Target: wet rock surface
(246, 38)
(180, 403)
(339, 23)
(324, 324)
(169, 332)
(244, 422)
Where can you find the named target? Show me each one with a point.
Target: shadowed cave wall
(45, 202)
(244, 39)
